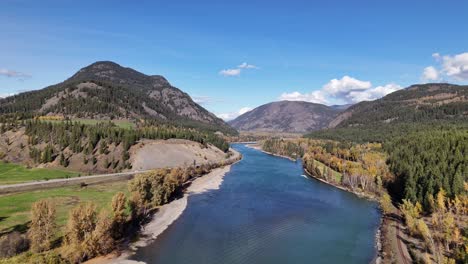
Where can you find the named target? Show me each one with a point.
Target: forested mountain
(416, 108)
(417, 103)
(286, 116)
(106, 90)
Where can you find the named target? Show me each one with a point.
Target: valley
(130, 159)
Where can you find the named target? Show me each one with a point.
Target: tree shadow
(22, 228)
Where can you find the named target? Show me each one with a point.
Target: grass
(11, 173)
(120, 123)
(86, 121)
(15, 208)
(335, 174)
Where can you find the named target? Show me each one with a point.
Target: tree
(100, 241)
(386, 203)
(411, 212)
(43, 226)
(425, 233)
(440, 201)
(137, 208)
(80, 226)
(119, 202)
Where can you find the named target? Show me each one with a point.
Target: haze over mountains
(106, 90)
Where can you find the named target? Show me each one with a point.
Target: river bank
(258, 147)
(380, 236)
(265, 213)
(166, 215)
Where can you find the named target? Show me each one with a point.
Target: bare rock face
(286, 116)
(107, 90)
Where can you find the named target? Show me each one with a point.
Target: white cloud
(237, 71)
(372, 93)
(14, 74)
(204, 100)
(456, 66)
(245, 65)
(244, 110)
(430, 74)
(345, 90)
(230, 72)
(313, 97)
(344, 86)
(233, 115)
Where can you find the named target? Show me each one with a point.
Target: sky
(232, 56)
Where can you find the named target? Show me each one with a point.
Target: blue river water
(267, 211)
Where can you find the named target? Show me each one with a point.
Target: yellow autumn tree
(119, 202)
(386, 203)
(43, 226)
(411, 212)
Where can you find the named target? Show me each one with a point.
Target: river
(267, 211)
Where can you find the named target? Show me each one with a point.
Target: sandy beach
(166, 215)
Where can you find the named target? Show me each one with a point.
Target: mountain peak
(286, 116)
(105, 90)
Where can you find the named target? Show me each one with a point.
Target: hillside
(106, 90)
(417, 103)
(416, 108)
(103, 147)
(286, 116)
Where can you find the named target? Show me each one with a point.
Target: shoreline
(379, 235)
(358, 194)
(165, 216)
(257, 147)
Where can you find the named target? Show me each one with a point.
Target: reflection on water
(266, 211)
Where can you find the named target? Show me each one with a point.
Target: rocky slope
(286, 116)
(106, 90)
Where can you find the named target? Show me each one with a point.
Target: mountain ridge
(106, 90)
(416, 103)
(285, 116)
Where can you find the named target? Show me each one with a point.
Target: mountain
(341, 107)
(106, 90)
(286, 116)
(415, 104)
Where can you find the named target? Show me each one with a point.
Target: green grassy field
(120, 123)
(11, 173)
(335, 174)
(15, 208)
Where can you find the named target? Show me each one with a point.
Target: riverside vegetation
(424, 173)
(89, 232)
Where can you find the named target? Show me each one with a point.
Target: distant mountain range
(415, 104)
(106, 90)
(287, 116)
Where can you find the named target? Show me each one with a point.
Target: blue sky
(240, 54)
